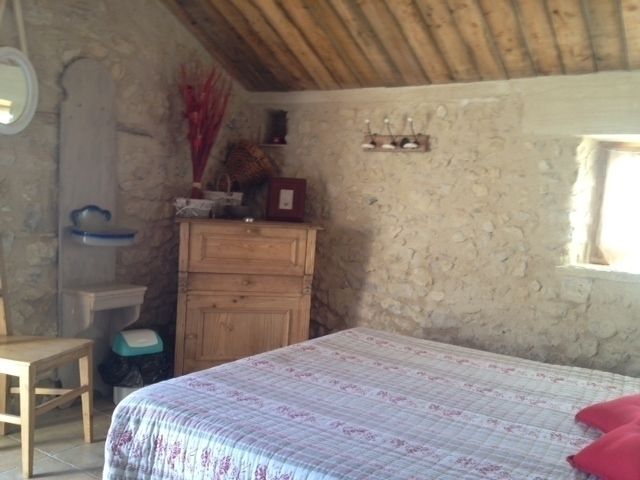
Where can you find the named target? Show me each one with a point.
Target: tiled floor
(60, 451)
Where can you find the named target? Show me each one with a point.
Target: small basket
(194, 208)
(247, 165)
(222, 197)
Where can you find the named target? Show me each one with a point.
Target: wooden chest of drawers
(243, 288)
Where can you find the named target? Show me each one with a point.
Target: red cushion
(614, 456)
(606, 416)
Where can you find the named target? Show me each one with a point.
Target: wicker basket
(248, 165)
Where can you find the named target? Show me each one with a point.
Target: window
(613, 232)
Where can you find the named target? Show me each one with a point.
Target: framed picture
(286, 198)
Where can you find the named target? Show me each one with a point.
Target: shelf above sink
(91, 227)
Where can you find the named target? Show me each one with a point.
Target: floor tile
(88, 458)
(60, 451)
(47, 467)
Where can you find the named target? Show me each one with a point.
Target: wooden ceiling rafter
(438, 18)
(631, 20)
(475, 32)
(281, 52)
(400, 54)
(177, 7)
(623, 34)
(420, 39)
(508, 36)
(242, 56)
(570, 31)
(586, 15)
(300, 15)
(523, 36)
(238, 22)
(368, 42)
(344, 42)
(536, 26)
(307, 57)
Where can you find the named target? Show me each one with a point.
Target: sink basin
(91, 227)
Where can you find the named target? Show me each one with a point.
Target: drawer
(246, 249)
(231, 283)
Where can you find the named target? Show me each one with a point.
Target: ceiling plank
(475, 33)
(237, 21)
(438, 18)
(419, 38)
(273, 41)
(316, 37)
(539, 36)
(352, 55)
(501, 19)
(603, 20)
(297, 44)
(246, 78)
(393, 41)
(367, 41)
(631, 20)
(570, 28)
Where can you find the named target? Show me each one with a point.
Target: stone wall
(142, 44)
(462, 244)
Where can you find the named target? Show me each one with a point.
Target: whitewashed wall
(462, 243)
(143, 45)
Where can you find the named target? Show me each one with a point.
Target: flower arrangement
(205, 99)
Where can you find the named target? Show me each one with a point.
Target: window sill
(598, 271)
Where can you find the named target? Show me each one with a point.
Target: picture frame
(286, 198)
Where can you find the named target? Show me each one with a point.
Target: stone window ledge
(598, 271)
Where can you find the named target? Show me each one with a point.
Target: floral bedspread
(361, 404)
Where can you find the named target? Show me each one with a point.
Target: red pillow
(614, 456)
(606, 416)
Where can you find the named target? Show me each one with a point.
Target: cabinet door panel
(222, 328)
(247, 249)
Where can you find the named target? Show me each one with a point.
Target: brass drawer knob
(192, 336)
(244, 283)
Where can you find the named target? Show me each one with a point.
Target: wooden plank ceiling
(281, 45)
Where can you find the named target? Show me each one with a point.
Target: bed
(361, 404)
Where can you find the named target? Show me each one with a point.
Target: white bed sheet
(361, 404)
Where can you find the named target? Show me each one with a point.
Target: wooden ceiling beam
(603, 22)
(234, 45)
(275, 44)
(297, 44)
(367, 41)
(509, 39)
(302, 18)
(630, 10)
(197, 30)
(570, 29)
(352, 55)
(419, 39)
(393, 41)
(475, 33)
(237, 21)
(437, 17)
(539, 36)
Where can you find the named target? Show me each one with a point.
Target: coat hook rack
(388, 142)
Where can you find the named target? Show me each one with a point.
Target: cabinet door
(246, 249)
(222, 328)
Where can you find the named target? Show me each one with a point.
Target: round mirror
(18, 90)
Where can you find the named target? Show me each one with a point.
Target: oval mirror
(18, 90)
